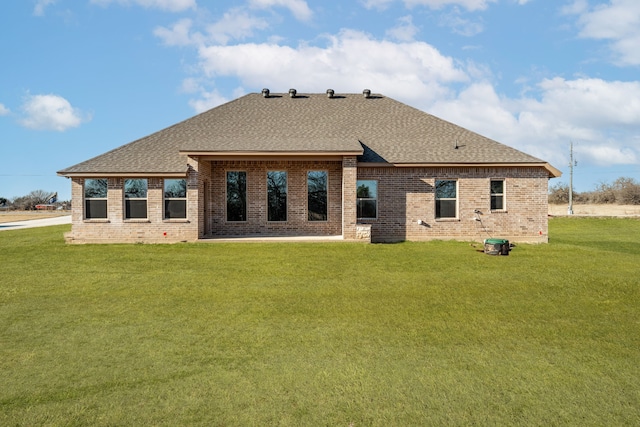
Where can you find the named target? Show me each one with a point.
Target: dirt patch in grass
(12, 216)
(596, 210)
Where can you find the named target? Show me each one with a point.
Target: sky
(81, 77)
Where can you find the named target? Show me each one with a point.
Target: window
(367, 199)
(236, 196)
(497, 195)
(277, 196)
(175, 198)
(95, 198)
(135, 198)
(446, 199)
(317, 195)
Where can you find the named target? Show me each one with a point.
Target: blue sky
(81, 77)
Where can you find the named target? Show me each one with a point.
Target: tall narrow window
(367, 199)
(236, 196)
(175, 198)
(497, 195)
(135, 198)
(277, 196)
(446, 199)
(95, 198)
(317, 195)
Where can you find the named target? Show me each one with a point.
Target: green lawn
(334, 334)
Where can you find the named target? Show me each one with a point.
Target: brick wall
(115, 228)
(406, 195)
(256, 223)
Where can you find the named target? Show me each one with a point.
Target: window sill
(96, 220)
(447, 219)
(499, 211)
(176, 220)
(136, 220)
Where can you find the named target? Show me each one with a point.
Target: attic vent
(330, 93)
(366, 93)
(292, 93)
(265, 92)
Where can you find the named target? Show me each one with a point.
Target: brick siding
(405, 195)
(297, 223)
(115, 228)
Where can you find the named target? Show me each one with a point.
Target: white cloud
(50, 112)
(438, 4)
(299, 8)
(4, 110)
(38, 9)
(433, 4)
(575, 8)
(405, 30)
(178, 35)
(460, 25)
(207, 101)
(376, 4)
(413, 70)
(602, 117)
(236, 24)
(168, 5)
(618, 22)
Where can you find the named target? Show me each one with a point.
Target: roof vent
(330, 93)
(366, 93)
(265, 92)
(292, 93)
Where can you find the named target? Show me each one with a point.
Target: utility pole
(572, 163)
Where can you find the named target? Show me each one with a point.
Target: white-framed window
(236, 196)
(175, 198)
(367, 199)
(135, 198)
(277, 196)
(317, 195)
(446, 198)
(497, 195)
(95, 198)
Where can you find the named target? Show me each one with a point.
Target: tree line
(31, 200)
(623, 191)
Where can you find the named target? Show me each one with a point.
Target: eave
(271, 155)
(123, 174)
(553, 172)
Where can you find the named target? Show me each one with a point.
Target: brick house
(350, 166)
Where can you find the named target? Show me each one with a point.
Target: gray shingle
(387, 131)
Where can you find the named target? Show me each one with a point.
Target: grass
(315, 334)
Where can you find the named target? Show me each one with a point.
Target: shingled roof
(376, 128)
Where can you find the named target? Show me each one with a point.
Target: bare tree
(32, 199)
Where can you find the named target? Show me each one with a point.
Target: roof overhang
(123, 174)
(553, 172)
(271, 155)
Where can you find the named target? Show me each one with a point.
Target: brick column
(349, 214)
(77, 200)
(155, 200)
(115, 200)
